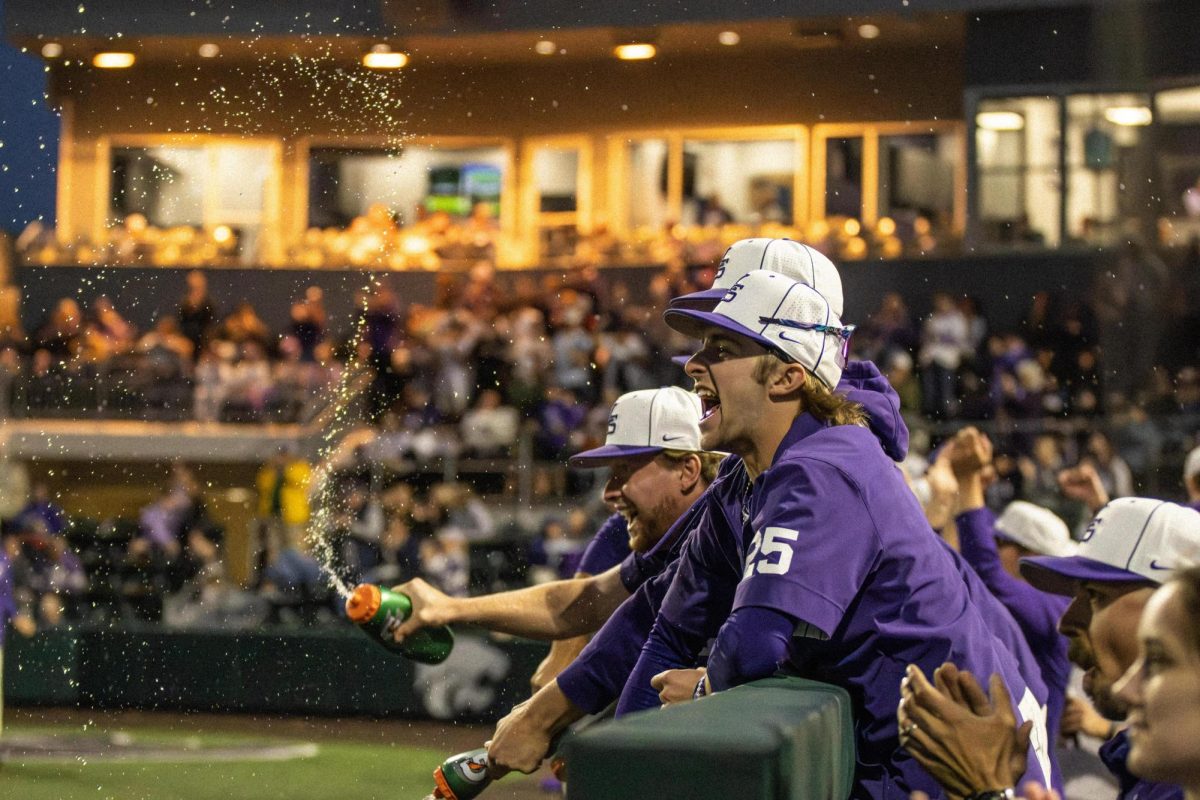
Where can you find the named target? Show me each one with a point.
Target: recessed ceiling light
(209, 50)
(1000, 120)
(52, 50)
(382, 57)
(545, 48)
(729, 38)
(110, 60)
(868, 31)
(1129, 115)
(635, 51)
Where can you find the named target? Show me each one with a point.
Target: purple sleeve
(696, 604)
(752, 644)
(1036, 613)
(8, 606)
(607, 548)
(594, 679)
(808, 516)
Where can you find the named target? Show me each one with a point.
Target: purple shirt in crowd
(608, 547)
(8, 606)
(1037, 613)
(1114, 753)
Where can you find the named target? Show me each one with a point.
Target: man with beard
(1130, 548)
(657, 473)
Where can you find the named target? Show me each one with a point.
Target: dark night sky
(28, 140)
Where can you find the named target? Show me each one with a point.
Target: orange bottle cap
(441, 787)
(363, 602)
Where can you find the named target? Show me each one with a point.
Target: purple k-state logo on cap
(732, 292)
(721, 268)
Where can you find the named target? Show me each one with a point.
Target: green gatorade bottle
(378, 611)
(462, 777)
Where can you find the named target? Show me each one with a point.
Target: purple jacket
(8, 606)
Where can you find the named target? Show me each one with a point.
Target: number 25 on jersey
(770, 552)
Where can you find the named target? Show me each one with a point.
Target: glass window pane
(1105, 176)
(744, 182)
(843, 177)
(164, 184)
(241, 178)
(344, 184)
(1018, 189)
(1177, 152)
(647, 188)
(916, 179)
(556, 178)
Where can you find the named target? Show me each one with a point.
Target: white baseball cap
(1035, 528)
(779, 313)
(1130, 539)
(794, 259)
(647, 421)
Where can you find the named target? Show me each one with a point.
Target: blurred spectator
(42, 506)
(573, 353)
(400, 553)
(14, 484)
(1113, 471)
(283, 504)
(61, 333)
(361, 523)
(197, 312)
(490, 428)
(445, 562)
(308, 320)
(945, 339)
(244, 325)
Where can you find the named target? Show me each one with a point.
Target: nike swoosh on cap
(670, 438)
(1154, 565)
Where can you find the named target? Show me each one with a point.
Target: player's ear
(689, 473)
(789, 378)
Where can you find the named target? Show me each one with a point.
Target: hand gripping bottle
(378, 611)
(462, 777)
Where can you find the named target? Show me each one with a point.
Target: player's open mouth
(709, 403)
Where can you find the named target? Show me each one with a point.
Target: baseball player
(657, 473)
(840, 576)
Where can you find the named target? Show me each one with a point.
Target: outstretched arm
(555, 610)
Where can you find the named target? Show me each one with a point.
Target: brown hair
(709, 462)
(816, 398)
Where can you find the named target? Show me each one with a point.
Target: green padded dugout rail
(774, 739)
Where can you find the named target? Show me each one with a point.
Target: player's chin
(710, 439)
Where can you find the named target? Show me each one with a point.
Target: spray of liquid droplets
(321, 523)
(349, 102)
